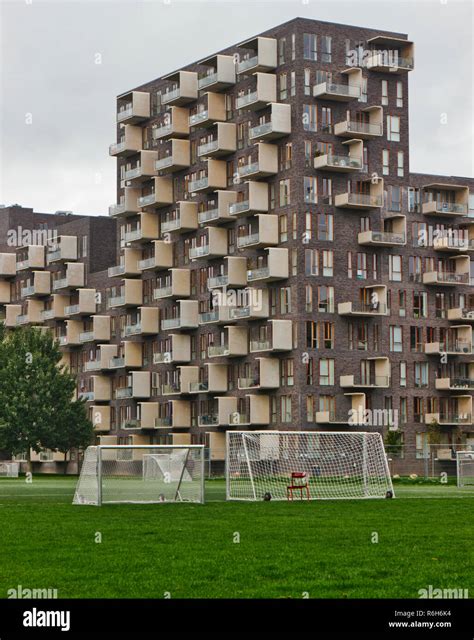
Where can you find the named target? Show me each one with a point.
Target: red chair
(298, 482)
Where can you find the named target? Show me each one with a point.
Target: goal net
(141, 474)
(281, 465)
(465, 468)
(9, 469)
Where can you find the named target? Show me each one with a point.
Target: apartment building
(277, 264)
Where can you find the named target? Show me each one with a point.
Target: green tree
(37, 409)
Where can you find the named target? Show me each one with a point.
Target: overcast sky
(64, 61)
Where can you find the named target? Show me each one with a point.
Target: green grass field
(324, 549)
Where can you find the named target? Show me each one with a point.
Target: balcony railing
(202, 183)
(170, 323)
(168, 96)
(208, 420)
(60, 284)
(364, 127)
(133, 329)
(207, 79)
(239, 418)
(210, 146)
(462, 383)
(208, 216)
(450, 276)
(27, 291)
(143, 201)
(385, 236)
(248, 169)
(260, 345)
(248, 63)
(363, 199)
(160, 358)
(166, 421)
(257, 274)
(458, 346)
(198, 387)
(123, 392)
(116, 301)
(337, 89)
(72, 309)
(88, 396)
(246, 99)
(135, 172)
(162, 292)
(118, 270)
(238, 207)
(455, 418)
(217, 281)
(218, 350)
(170, 225)
(261, 129)
(199, 252)
(117, 362)
(196, 118)
(48, 314)
(245, 241)
(86, 336)
(125, 112)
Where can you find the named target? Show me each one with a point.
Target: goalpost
(9, 469)
(141, 474)
(465, 468)
(322, 465)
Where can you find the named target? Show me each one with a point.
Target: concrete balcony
(182, 315)
(174, 414)
(261, 232)
(144, 230)
(253, 410)
(71, 277)
(235, 345)
(372, 302)
(370, 128)
(390, 55)
(141, 168)
(180, 220)
(128, 267)
(176, 349)
(211, 244)
(99, 415)
(98, 391)
(161, 257)
(371, 199)
(68, 333)
(275, 124)
(101, 358)
(262, 164)
(130, 356)
(354, 416)
(261, 93)
(5, 296)
(30, 257)
(338, 92)
(138, 386)
(457, 383)
(252, 304)
(213, 379)
(394, 234)
(445, 200)
(130, 295)
(177, 284)
(458, 341)
(219, 74)
(218, 315)
(377, 375)
(175, 156)
(7, 265)
(63, 250)
(261, 55)
(55, 307)
(457, 412)
(342, 163)
(454, 239)
(29, 314)
(96, 330)
(216, 209)
(128, 205)
(273, 337)
(142, 322)
(81, 303)
(183, 88)
(129, 143)
(252, 200)
(156, 194)
(212, 179)
(38, 285)
(133, 107)
(234, 274)
(265, 375)
(221, 141)
(209, 110)
(274, 267)
(445, 278)
(172, 124)
(461, 314)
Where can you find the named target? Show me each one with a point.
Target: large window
(310, 43)
(393, 128)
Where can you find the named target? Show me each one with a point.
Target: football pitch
(317, 549)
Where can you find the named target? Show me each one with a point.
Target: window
(310, 46)
(325, 299)
(420, 304)
(308, 227)
(399, 94)
(325, 226)
(385, 162)
(403, 374)
(293, 83)
(284, 193)
(396, 344)
(395, 268)
(281, 50)
(311, 334)
(421, 375)
(394, 198)
(293, 46)
(308, 155)
(310, 117)
(326, 119)
(326, 372)
(384, 93)
(283, 228)
(283, 86)
(402, 304)
(400, 164)
(393, 128)
(328, 260)
(307, 82)
(285, 300)
(308, 298)
(285, 156)
(326, 46)
(310, 190)
(311, 262)
(285, 408)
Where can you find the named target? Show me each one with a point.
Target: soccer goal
(9, 469)
(286, 465)
(465, 468)
(141, 474)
